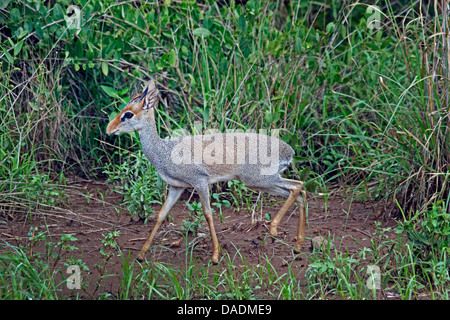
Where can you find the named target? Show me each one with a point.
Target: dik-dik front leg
(203, 192)
(172, 197)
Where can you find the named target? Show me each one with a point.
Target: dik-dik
(196, 161)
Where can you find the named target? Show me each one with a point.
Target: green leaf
(298, 45)
(305, 174)
(193, 81)
(22, 34)
(110, 92)
(173, 58)
(242, 24)
(9, 57)
(15, 15)
(141, 22)
(58, 13)
(67, 237)
(162, 62)
(105, 68)
(311, 185)
(4, 3)
(34, 106)
(18, 47)
(79, 52)
(201, 32)
(330, 27)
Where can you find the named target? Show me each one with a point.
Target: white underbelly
(222, 178)
(211, 180)
(174, 182)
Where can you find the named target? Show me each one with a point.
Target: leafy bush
(139, 184)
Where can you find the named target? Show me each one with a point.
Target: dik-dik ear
(150, 95)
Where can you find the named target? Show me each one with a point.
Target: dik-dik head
(134, 115)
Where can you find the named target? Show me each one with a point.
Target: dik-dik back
(231, 153)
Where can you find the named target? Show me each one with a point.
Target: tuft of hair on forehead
(136, 97)
(137, 92)
(149, 95)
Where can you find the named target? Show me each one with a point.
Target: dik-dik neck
(150, 139)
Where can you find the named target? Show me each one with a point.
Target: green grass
(365, 109)
(414, 266)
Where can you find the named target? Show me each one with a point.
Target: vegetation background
(358, 89)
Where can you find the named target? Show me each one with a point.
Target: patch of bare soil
(350, 225)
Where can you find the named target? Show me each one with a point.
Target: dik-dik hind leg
(172, 197)
(294, 190)
(301, 234)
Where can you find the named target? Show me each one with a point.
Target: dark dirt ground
(349, 224)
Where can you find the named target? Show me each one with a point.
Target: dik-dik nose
(111, 128)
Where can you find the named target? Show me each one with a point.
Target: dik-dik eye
(127, 115)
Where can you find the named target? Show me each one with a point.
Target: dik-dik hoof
(298, 245)
(273, 230)
(141, 257)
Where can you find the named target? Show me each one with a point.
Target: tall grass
(409, 112)
(360, 105)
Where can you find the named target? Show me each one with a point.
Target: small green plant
(195, 217)
(109, 249)
(240, 194)
(219, 203)
(428, 235)
(109, 244)
(139, 184)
